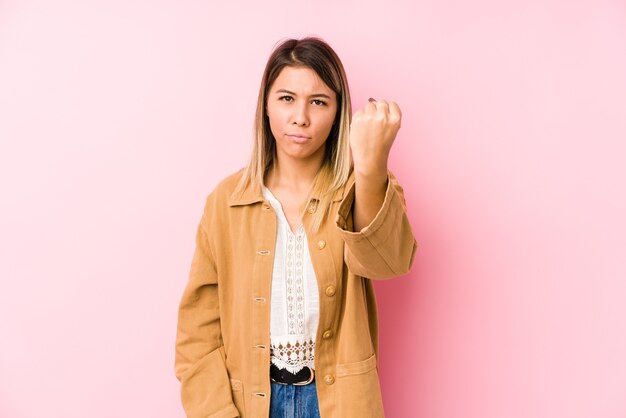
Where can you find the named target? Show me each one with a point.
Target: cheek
(276, 116)
(272, 118)
(329, 122)
(276, 131)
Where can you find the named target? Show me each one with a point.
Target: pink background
(117, 118)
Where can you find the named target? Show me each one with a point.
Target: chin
(301, 154)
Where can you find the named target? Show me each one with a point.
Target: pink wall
(118, 117)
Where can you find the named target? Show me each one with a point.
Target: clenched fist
(372, 132)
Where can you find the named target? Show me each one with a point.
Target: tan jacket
(223, 338)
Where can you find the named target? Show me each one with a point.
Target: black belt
(285, 377)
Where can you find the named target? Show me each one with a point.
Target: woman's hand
(372, 132)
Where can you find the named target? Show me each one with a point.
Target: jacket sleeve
(386, 247)
(200, 357)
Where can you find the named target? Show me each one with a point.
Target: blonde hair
(314, 53)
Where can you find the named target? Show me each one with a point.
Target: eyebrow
(313, 95)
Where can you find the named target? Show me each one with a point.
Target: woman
(279, 315)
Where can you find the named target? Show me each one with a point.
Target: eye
(285, 97)
(319, 102)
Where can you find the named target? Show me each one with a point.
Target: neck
(292, 174)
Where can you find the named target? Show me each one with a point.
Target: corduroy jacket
(222, 356)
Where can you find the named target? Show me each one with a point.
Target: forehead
(300, 80)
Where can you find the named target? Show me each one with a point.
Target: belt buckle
(309, 380)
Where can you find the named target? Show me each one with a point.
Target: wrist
(371, 181)
(371, 170)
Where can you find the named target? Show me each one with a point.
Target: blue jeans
(290, 401)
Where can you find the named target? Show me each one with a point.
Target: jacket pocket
(238, 396)
(205, 388)
(364, 366)
(358, 389)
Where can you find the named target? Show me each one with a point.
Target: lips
(299, 136)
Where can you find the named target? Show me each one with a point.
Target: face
(301, 110)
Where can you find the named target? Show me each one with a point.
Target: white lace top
(295, 300)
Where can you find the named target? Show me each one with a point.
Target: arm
(369, 196)
(200, 358)
(385, 247)
(372, 217)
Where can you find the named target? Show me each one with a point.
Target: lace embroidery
(292, 345)
(293, 356)
(295, 282)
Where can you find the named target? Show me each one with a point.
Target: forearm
(370, 187)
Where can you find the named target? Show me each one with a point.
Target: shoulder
(228, 184)
(221, 193)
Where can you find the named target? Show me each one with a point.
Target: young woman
(278, 317)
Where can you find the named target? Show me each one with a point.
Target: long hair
(316, 54)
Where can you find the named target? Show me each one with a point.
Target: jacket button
(330, 291)
(329, 379)
(327, 334)
(321, 244)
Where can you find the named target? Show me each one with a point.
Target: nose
(300, 115)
